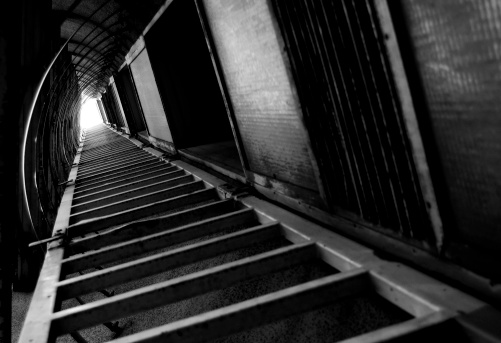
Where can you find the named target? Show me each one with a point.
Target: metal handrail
(27, 128)
(30, 117)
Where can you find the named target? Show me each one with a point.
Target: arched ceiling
(101, 32)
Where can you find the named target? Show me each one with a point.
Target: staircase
(147, 249)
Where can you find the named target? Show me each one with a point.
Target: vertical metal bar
(410, 120)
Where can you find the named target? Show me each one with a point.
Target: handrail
(27, 128)
(35, 99)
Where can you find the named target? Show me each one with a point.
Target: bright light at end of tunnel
(89, 114)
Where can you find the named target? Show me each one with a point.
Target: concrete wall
(149, 97)
(263, 94)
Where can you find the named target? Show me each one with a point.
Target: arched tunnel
(260, 170)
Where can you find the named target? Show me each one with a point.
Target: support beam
(152, 226)
(258, 311)
(172, 172)
(242, 218)
(125, 176)
(137, 201)
(129, 194)
(181, 288)
(122, 171)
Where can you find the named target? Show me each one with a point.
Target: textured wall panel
(261, 90)
(457, 45)
(149, 97)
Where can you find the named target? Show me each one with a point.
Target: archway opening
(89, 114)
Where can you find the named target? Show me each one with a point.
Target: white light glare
(89, 114)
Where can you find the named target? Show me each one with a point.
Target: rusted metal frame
(142, 212)
(127, 204)
(410, 119)
(132, 193)
(150, 226)
(123, 173)
(182, 288)
(133, 186)
(150, 172)
(258, 311)
(242, 218)
(149, 176)
(218, 70)
(111, 167)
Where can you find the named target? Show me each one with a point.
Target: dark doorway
(189, 88)
(130, 103)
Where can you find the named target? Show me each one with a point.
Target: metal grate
(130, 215)
(351, 109)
